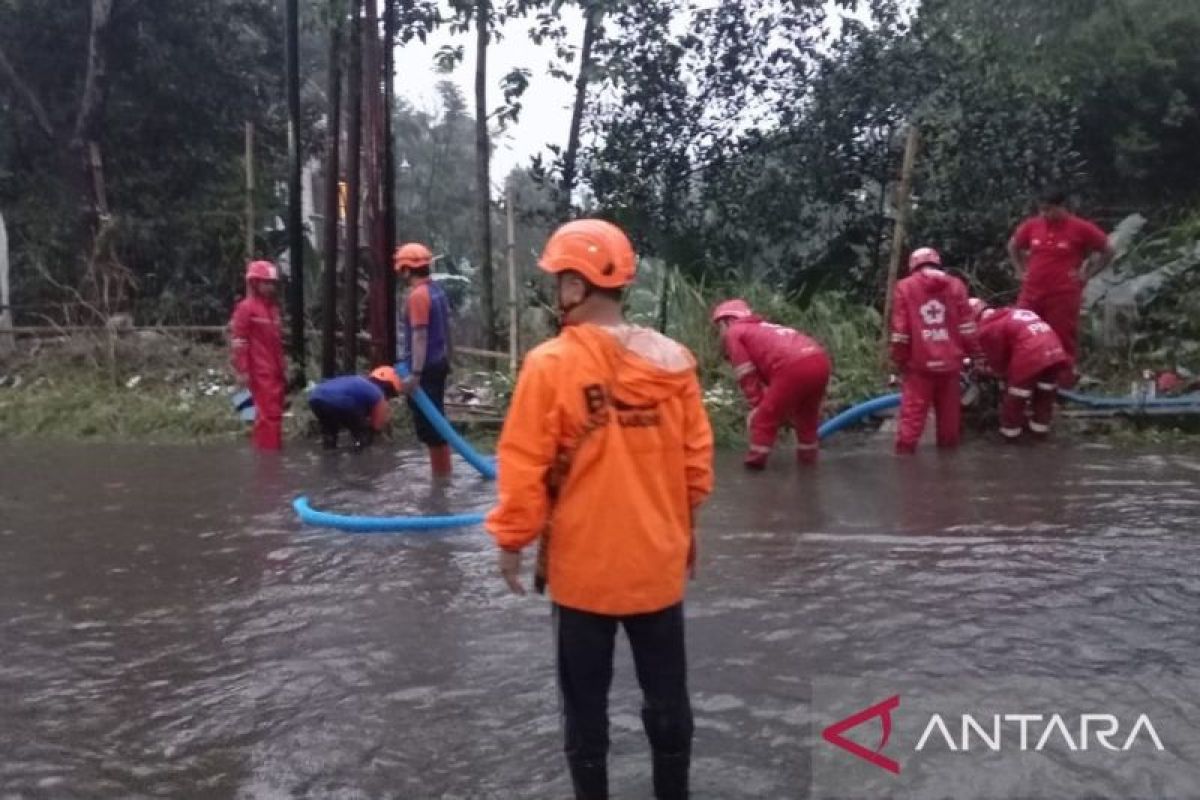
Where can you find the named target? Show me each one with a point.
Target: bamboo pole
(900, 231)
(511, 249)
(249, 191)
(6, 339)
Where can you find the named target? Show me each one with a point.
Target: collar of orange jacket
(646, 366)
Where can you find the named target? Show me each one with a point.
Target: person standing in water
(427, 346)
(257, 353)
(1049, 254)
(783, 375)
(606, 454)
(932, 329)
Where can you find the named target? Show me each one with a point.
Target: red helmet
(597, 250)
(924, 257)
(732, 309)
(261, 271)
(978, 306)
(413, 255)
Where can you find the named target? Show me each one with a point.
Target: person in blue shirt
(427, 346)
(357, 404)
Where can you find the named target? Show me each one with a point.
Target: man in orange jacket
(606, 454)
(257, 344)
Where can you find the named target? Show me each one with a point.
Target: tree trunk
(483, 174)
(332, 195)
(592, 24)
(295, 226)
(354, 192)
(389, 176)
(102, 275)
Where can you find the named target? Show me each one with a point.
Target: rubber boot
(755, 461)
(439, 461)
(671, 776)
(590, 779)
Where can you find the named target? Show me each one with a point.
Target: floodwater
(168, 629)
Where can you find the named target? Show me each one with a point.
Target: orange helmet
(388, 375)
(597, 250)
(924, 257)
(413, 255)
(261, 271)
(732, 309)
(978, 306)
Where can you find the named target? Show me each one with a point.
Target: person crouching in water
(427, 346)
(257, 353)
(356, 404)
(932, 329)
(606, 455)
(783, 375)
(1025, 352)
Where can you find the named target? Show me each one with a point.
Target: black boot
(590, 779)
(671, 775)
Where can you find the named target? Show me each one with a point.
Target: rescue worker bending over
(932, 329)
(783, 375)
(357, 404)
(257, 353)
(606, 454)
(1025, 352)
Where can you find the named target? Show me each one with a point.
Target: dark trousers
(585, 644)
(433, 382)
(333, 419)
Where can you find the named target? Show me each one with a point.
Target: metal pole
(354, 83)
(332, 199)
(295, 222)
(389, 173)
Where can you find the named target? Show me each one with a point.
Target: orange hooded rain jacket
(619, 411)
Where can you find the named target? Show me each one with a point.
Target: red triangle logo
(883, 710)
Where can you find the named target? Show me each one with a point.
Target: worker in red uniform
(1028, 356)
(783, 375)
(932, 329)
(427, 346)
(1050, 254)
(257, 344)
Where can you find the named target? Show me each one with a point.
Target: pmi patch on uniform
(883, 737)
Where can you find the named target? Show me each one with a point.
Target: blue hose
(858, 412)
(1098, 401)
(486, 466)
(356, 524)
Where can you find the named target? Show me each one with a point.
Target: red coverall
(1027, 353)
(258, 357)
(932, 329)
(783, 374)
(1052, 287)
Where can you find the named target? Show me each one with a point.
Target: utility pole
(389, 175)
